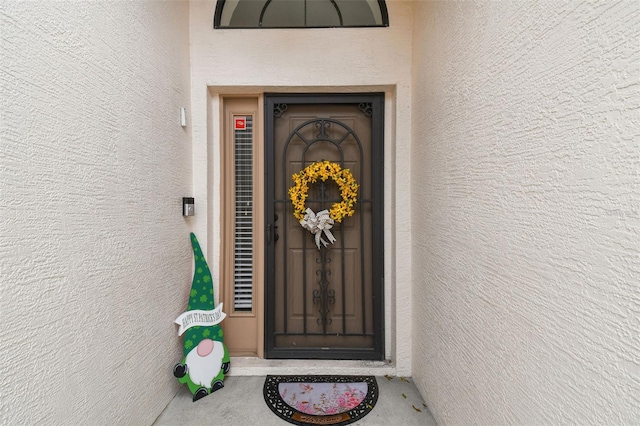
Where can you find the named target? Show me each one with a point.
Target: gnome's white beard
(202, 369)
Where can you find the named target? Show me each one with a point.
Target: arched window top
(300, 13)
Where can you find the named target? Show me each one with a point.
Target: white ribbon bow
(318, 223)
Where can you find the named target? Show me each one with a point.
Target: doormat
(321, 400)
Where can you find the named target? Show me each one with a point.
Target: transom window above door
(300, 13)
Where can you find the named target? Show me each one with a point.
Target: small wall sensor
(183, 117)
(188, 206)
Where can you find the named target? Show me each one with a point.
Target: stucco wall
(311, 60)
(94, 253)
(526, 189)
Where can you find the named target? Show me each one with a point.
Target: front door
(324, 299)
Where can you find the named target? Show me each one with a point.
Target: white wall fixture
(183, 117)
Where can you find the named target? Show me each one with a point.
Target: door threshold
(253, 366)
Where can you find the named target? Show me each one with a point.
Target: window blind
(243, 249)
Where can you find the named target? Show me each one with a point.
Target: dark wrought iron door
(324, 302)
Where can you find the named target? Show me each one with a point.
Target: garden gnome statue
(206, 359)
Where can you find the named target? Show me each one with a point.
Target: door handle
(275, 228)
(272, 230)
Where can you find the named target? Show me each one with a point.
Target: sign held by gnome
(206, 359)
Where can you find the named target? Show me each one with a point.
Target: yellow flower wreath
(324, 170)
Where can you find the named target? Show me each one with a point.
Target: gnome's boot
(217, 385)
(200, 393)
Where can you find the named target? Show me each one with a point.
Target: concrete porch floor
(241, 403)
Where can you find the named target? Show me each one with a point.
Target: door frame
(373, 104)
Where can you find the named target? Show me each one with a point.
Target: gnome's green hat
(200, 298)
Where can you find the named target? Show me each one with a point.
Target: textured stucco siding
(312, 60)
(526, 211)
(94, 252)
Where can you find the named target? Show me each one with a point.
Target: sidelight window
(243, 252)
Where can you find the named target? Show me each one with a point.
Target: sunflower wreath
(324, 170)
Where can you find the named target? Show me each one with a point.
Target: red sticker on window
(240, 123)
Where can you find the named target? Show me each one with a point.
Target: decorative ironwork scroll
(279, 109)
(366, 108)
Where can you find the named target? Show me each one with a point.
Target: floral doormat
(321, 400)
